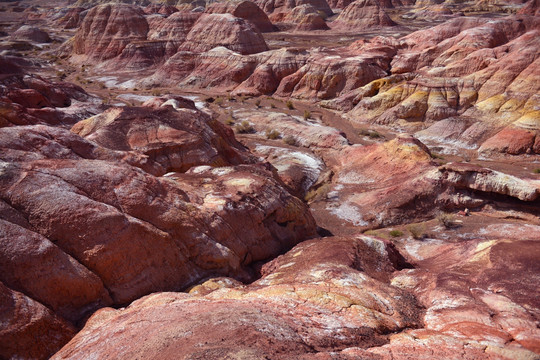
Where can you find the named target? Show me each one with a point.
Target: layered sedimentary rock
(398, 182)
(29, 329)
(341, 280)
(280, 6)
(106, 30)
(305, 17)
(352, 297)
(72, 18)
(213, 30)
(362, 15)
(246, 10)
(130, 231)
(28, 99)
(464, 69)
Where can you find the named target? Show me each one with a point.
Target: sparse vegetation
(258, 103)
(536, 171)
(273, 134)
(372, 134)
(244, 128)
(417, 231)
(290, 140)
(396, 233)
(62, 75)
(447, 220)
(307, 114)
(156, 92)
(289, 105)
(272, 105)
(218, 101)
(230, 121)
(319, 193)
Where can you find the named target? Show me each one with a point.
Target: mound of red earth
(279, 6)
(471, 74)
(246, 10)
(30, 33)
(213, 30)
(397, 182)
(27, 99)
(362, 15)
(303, 17)
(322, 296)
(106, 219)
(72, 18)
(107, 29)
(341, 297)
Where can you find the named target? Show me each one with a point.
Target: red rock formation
(279, 6)
(106, 30)
(362, 15)
(531, 7)
(129, 232)
(161, 9)
(31, 33)
(73, 18)
(246, 10)
(28, 329)
(322, 296)
(172, 140)
(234, 33)
(306, 18)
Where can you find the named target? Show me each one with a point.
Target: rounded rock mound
(236, 34)
(246, 10)
(31, 33)
(363, 15)
(107, 29)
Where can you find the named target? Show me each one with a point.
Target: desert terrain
(270, 179)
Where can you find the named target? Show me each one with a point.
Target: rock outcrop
(322, 296)
(305, 18)
(31, 33)
(106, 30)
(106, 221)
(213, 30)
(246, 10)
(280, 6)
(362, 15)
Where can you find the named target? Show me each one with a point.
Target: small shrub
(290, 140)
(273, 106)
(417, 231)
(230, 98)
(135, 89)
(219, 101)
(244, 128)
(536, 171)
(289, 105)
(62, 75)
(229, 121)
(272, 134)
(447, 220)
(209, 100)
(319, 193)
(156, 92)
(307, 114)
(372, 134)
(396, 233)
(258, 103)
